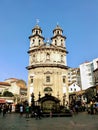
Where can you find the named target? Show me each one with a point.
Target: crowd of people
(90, 108)
(37, 112)
(22, 110)
(29, 112)
(5, 108)
(9, 108)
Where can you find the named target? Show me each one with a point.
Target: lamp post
(64, 96)
(32, 100)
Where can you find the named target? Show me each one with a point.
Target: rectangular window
(64, 79)
(47, 78)
(89, 74)
(31, 80)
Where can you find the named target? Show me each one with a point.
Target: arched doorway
(49, 103)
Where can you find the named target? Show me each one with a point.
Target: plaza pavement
(82, 121)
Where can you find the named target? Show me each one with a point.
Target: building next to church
(95, 71)
(87, 74)
(74, 76)
(17, 87)
(47, 69)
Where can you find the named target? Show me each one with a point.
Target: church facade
(47, 69)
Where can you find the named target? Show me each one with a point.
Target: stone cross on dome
(57, 23)
(37, 21)
(48, 40)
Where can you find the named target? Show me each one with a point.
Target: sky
(77, 18)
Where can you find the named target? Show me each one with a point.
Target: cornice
(57, 36)
(37, 35)
(32, 49)
(47, 65)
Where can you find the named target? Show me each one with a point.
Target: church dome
(37, 27)
(58, 28)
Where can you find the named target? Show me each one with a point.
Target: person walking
(51, 113)
(27, 111)
(4, 109)
(38, 113)
(21, 110)
(10, 108)
(0, 109)
(76, 108)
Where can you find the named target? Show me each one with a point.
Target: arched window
(48, 90)
(61, 42)
(39, 42)
(62, 58)
(33, 58)
(33, 42)
(31, 80)
(64, 79)
(36, 32)
(57, 32)
(55, 42)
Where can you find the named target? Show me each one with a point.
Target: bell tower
(36, 38)
(58, 39)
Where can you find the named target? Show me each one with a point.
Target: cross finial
(57, 23)
(37, 21)
(47, 40)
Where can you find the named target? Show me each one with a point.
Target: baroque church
(47, 69)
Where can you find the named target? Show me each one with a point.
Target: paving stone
(81, 121)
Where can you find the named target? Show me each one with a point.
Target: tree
(8, 94)
(89, 93)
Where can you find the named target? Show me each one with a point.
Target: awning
(2, 101)
(9, 101)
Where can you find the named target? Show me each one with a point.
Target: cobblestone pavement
(82, 121)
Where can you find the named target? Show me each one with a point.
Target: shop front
(2, 101)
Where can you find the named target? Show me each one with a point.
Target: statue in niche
(47, 56)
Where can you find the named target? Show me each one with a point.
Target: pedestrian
(76, 108)
(13, 107)
(21, 110)
(51, 113)
(4, 109)
(0, 108)
(10, 108)
(38, 113)
(27, 111)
